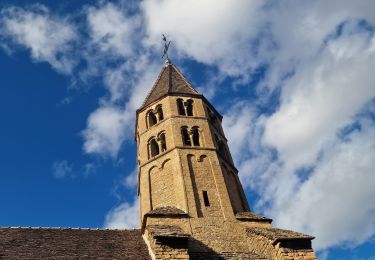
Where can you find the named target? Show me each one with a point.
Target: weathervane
(166, 47)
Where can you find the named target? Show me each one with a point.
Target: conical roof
(170, 81)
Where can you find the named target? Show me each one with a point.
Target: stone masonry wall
(177, 178)
(168, 248)
(263, 246)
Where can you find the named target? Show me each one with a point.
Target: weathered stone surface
(250, 216)
(192, 202)
(166, 231)
(166, 211)
(64, 243)
(276, 234)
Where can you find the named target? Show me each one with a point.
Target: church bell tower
(183, 156)
(191, 199)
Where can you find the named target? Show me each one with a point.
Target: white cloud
(336, 203)
(212, 32)
(126, 215)
(323, 96)
(333, 199)
(111, 124)
(299, 29)
(239, 125)
(49, 38)
(62, 169)
(115, 36)
(106, 130)
(131, 180)
(111, 30)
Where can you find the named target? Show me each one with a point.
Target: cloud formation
(48, 37)
(126, 215)
(62, 169)
(323, 95)
(105, 131)
(291, 144)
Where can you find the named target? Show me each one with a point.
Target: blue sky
(293, 79)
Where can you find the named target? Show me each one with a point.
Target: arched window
(154, 148)
(195, 135)
(160, 112)
(163, 144)
(151, 119)
(189, 107)
(185, 136)
(180, 107)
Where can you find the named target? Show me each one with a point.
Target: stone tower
(192, 204)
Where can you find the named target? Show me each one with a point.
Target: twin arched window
(185, 108)
(157, 145)
(191, 137)
(154, 116)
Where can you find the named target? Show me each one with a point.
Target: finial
(165, 53)
(167, 62)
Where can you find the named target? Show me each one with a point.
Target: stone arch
(180, 107)
(164, 162)
(153, 147)
(163, 142)
(189, 107)
(202, 158)
(191, 158)
(162, 185)
(151, 118)
(159, 112)
(185, 136)
(195, 136)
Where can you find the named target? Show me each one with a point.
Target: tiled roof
(277, 234)
(167, 231)
(170, 81)
(65, 243)
(250, 216)
(166, 211)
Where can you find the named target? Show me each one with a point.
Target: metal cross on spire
(166, 47)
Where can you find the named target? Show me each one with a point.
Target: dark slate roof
(276, 234)
(65, 243)
(167, 231)
(250, 216)
(167, 211)
(170, 81)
